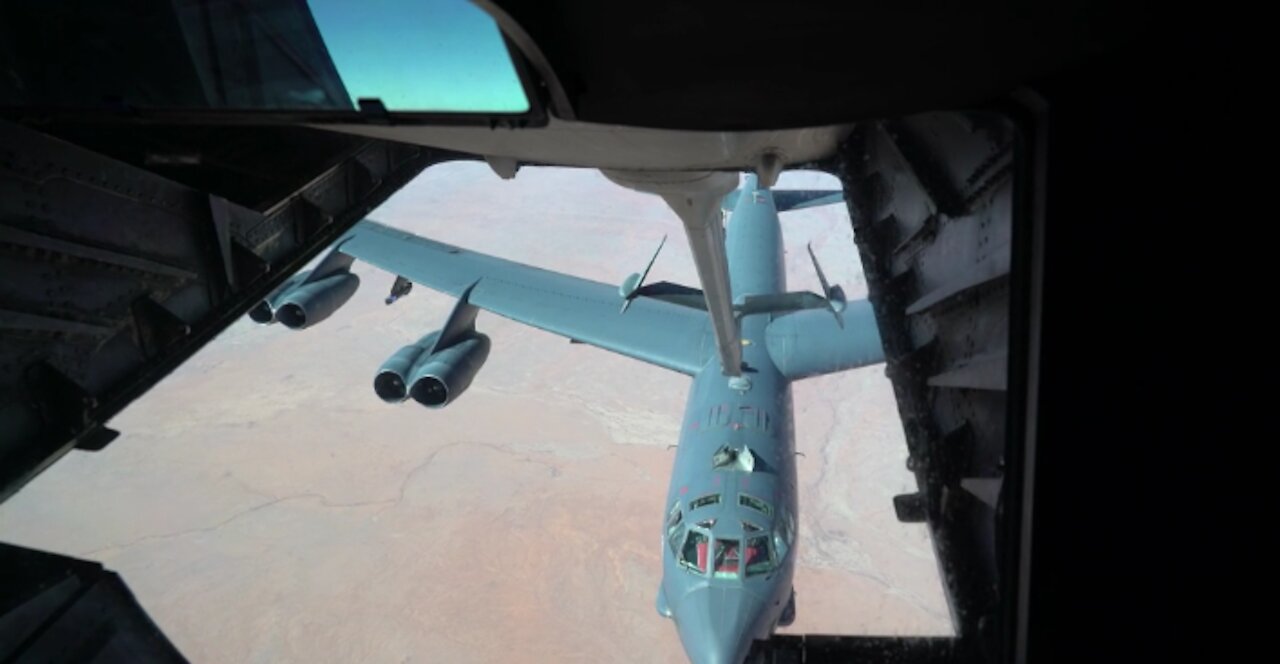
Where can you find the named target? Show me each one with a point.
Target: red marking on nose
(684, 490)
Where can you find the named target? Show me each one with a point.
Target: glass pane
(727, 558)
(673, 526)
(420, 55)
(758, 561)
(673, 538)
(704, 501)
(782, 536)
(755, 503)
(322, 55)
(694, 554)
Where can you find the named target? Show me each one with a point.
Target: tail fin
(798, 199)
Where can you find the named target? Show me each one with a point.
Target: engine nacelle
(264, 313)
(392, 380)
(311, 303)
(443, 376)
(300, 305)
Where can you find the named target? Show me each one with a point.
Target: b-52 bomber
(729, 528)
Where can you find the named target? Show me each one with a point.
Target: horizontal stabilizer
(798, 199)
(813, 343)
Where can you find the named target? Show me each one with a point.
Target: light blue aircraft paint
(729, 526)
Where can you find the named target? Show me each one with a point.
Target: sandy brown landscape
(265, 506)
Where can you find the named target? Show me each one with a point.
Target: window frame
(771, 562)
(715, 549)
(693, 568)
(710, 498)
(675, 523)
(768, 507)
(784, 532)
(531, 82)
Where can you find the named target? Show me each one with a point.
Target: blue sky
(420, 55)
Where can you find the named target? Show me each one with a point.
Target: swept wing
(660, 333)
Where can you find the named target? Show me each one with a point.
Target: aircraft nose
(717, 625)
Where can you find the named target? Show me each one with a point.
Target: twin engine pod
(434, 371)
(300, 303)
(433, 379)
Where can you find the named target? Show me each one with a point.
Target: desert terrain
(265, 506)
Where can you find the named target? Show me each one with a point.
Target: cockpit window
(673, 538)
(674, 520)
(784, 535)
(727, 558)
(713, 499)
(694, 553)
(758, 559)
(755, 503)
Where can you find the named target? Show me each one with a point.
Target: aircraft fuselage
(730, 522)
(729, 530)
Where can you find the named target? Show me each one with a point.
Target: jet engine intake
(443, 376)
(264, 313)
(310, 296)
(392, 380)
(311, 303)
